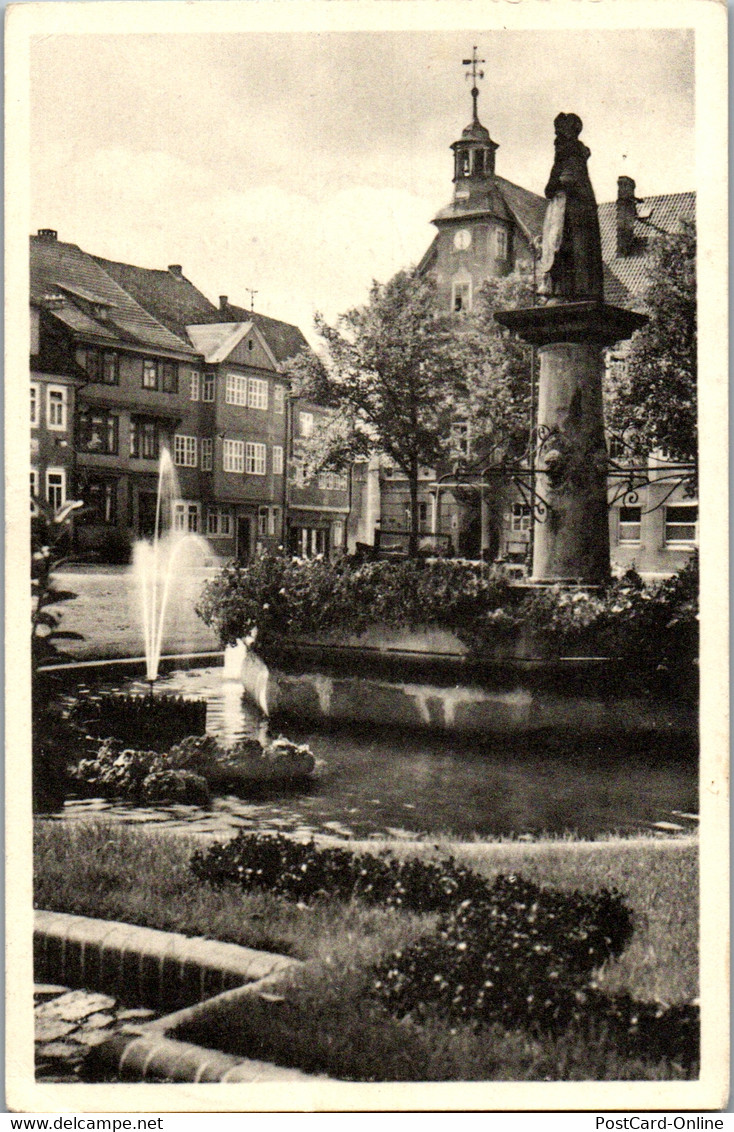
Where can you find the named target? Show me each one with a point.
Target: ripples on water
(377, 782)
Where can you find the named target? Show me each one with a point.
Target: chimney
(223, 300)
(626, 216)
(49, 234)
(176, 269)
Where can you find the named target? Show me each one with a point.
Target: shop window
(186, 517)
(219, 522)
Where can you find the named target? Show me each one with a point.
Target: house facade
(127, 400)
(129, 361)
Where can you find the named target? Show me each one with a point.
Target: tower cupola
(474, 151)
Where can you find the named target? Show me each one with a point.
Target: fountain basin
(410, 682)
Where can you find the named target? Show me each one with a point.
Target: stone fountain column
(571, 527)
(571, 331)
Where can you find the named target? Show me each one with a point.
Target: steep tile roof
(177, 303)
(169, 297)
(625, 277)
(56, 267)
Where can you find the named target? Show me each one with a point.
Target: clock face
(462, 239)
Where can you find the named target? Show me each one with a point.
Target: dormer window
(100, 310)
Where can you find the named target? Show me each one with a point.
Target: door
(244, 537)
(146, 514)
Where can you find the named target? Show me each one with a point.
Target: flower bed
(653, 628)
(507, 952)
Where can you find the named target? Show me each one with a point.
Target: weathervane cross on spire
(475, 74)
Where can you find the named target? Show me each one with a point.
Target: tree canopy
(654, 400)
(397, 372)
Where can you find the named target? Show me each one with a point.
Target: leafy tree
(654, 402)
(396, 372)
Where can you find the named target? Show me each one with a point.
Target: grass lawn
(105, 612)
(326, 1021)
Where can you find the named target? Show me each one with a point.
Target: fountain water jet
(155, 563)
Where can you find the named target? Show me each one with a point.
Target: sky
(305, 165)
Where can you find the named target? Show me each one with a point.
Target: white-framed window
(630, 524)
(257, 393)
(207, 388)
(34, 404)
(262, 521)
(56, 408)
(681, 524)
(500, 242)
(150, 373)
(219, 522)
(274, 521)
(521, 517)
(278, 399)
(56, 487)
(337, 533)
(233, 455)
(34, 490)
(184, 451)
(207, 454)
(186, 516)
(460, 438)
(277, 459)
(460, 296)
(305, 424)
(236, 389)
(255, 458)
(195, 387)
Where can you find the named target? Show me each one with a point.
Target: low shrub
(506, 952)
(302, 871)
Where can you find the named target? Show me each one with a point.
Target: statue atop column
(571, 263)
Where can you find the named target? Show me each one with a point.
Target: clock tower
(479, 233)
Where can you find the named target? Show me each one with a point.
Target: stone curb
(158, 969)
(143, 1056)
